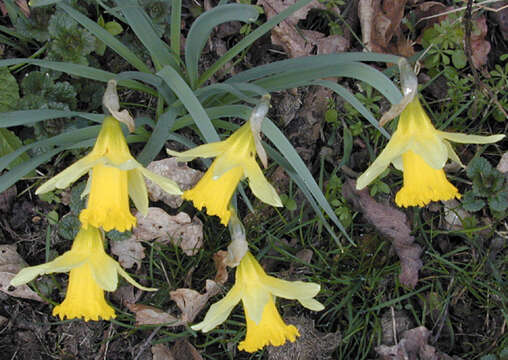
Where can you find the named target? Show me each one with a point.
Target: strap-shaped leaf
(108, 39)
(158, 138)
(202, 27)
(27, 117)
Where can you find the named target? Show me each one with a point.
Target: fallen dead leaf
(393, 224)
(286, 34)
(149, 315)
(480, 47)
(413, 345)
(10, 264)
(126, 294)
(183, 175)
(161, 352)
(454, 214)
(220, 266)
(502, 166)
(190, 302)
(380, 21)
(400, 319)
(183, 350)
(310, 345)
(159, 226)
(22, 4)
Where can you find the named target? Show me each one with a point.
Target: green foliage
(68, 227)
(41, 92)
(69, 42)
(333, 194)
(9, 91)
(112, 27)
(489, 187)
(36, 26)
(8, 143)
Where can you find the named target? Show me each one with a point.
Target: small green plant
(489, 187)
(334, 196)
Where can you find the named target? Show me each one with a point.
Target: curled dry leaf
(454, 214)
(220, 259)
(7, 197)
(480, 47)
(10, 264)
(286, 34)
(190, 302)
(149, 315)
(393, 224)
(161, 352)
(159, 226)
(183, 175)
(502, 166)
(412, 345)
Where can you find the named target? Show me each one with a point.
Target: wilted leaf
(393, 224)
(454, 215)
(190, 302)
(220, 266)
(502, 166)
(10, 264)
(287, 34)
(183, 175)
(129, 252)
(149, 315)
(412, 345)
(7, 197)
(161, 352)
(179, 230)
(480, 47)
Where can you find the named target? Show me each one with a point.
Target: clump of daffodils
(235, 158)
(420, 151)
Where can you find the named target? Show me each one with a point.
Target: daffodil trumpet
(235, 158)
(419, 150)
(114, 177)
(91, 272)
(257, 291)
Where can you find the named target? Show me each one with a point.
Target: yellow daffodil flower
(91, 272)
(115, 175)
(257, 290)
(420, 151)
(235, 159)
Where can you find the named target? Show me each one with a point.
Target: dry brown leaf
(183, 175)
(286, 34)
(412, 345)
(393, 224)
(22, 4)
(502, 166)
(161, 352)
(126, 294)
(380, 21)
(454, 214)
(179, 230)
(10, 264)
(183, 350)
(332, 44)
(480, 47)
(190, 302)
(149, 315)
(129, 252)
(220, 266)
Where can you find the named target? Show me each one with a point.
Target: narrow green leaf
(108, 39)
(350, 98)
(142, 26)
(249, 39)
(176, 27)
(202, 27)
(191, 103)
(37, 3)
(158, 138)
(27, 117)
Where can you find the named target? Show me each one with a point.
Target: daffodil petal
(290, 289)
(222, 165)
(88, 185)
(130, 280)
(311, 304)
(470, 139)
(104, 271)
(137, 190)
(254, 302)
(432, 150)
(260, 187)
(397, 163)
(203, 151)
(219, 312)
(69, 175)
(166, 184)
(452, 154)
(63, 263)
(395, 147)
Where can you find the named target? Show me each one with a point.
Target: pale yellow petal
(254, 299)
(130, 280)
(69, 175)
(290, 289)
(395, 147)
(203, 151)
(311, 304)
(104, 271)
(432, 149)
(452, 155)
(137, 190)
(166, 184)
(260, 187)
(470, 139)
(63, 263)
(219, 312)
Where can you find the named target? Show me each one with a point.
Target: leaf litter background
(28, 331)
